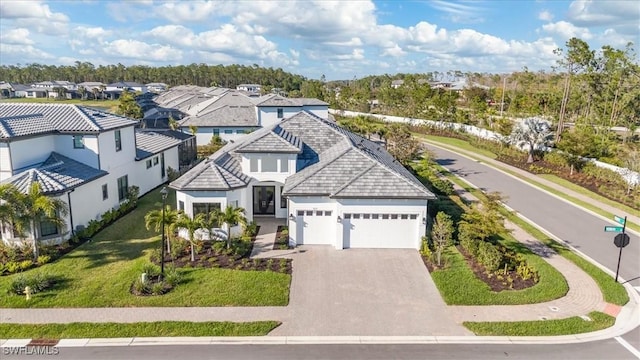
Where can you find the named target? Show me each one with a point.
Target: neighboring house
(126, 85)
(12, 90)
(397, 83)
(34, 93)
(333, 187)
(272, 108)
(55, 84)
(157, 87)
(228, 116)
(85, 157)
(250, 88)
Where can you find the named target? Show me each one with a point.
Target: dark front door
(264, 200)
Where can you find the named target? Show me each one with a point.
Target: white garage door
(315, 227)
(389, 231)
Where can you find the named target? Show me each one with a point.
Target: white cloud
(545, 15)
(34, 15)
(621, 15)
(135, 49)
(92, 32)
(19, 36)
(23, 53)
(395, 51)
(459, 12)
(567, 30)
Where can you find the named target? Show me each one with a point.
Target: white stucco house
(333, 187)
(233, 114)
(86, 157)
(127, 85)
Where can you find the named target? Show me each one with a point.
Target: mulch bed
(497, 281)
(281, 243)
(210, 257)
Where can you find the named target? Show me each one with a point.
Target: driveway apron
(364, 292)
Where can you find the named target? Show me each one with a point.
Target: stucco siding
(87, 155)
(5, 161)
(30, 151)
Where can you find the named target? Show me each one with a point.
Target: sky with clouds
(340, 39)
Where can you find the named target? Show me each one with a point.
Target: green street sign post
(613, 229)
(621, 221)
(620, 240)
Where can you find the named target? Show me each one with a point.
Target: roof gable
(276, 140)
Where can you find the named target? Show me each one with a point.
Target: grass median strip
(572, 325)
(612, 291)
(141, 329)
(457, 144)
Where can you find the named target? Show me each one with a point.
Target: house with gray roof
(87, 158)
(332, 187)
(121, 86)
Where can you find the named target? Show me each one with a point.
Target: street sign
(613, 229)
(620, 220)
(621, 240)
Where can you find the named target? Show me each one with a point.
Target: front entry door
(264, 200)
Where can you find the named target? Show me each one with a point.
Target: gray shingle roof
(226, 115)
(277, 100)
(24, 119)
(274, 140)
(333, 162)
(149, 143)
(56, 174)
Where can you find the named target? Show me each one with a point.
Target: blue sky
(340, 39)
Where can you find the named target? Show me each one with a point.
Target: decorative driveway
(365, 292)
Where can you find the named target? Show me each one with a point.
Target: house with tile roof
(86, 157)
(333, 187)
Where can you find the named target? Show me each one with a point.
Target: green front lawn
(457, 143)
(99, 274)
(568, 326)
(458, 285)
(144, 329)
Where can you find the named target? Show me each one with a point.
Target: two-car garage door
(379, 230)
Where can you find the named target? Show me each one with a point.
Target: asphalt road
(575, 226)
(607, 349)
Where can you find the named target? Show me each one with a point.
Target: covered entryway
(315, 227)
(264, 200)
(379, 230)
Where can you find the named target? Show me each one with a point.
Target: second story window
(78, 142)
(280, 113)
(118, 140)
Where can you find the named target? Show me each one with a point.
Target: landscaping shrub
(489, 256)
(470, 245)
(43, 259)
(251, 229)
(25, 265)
(151, 269)
(38, 282)
(12, 267)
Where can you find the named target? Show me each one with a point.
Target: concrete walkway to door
(263, 245)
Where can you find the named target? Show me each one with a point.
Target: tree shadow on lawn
(124, 240)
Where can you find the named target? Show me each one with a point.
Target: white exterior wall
(29, 151)
(268, 115)
(321, 111)
(5, 161)
(87, 203)
(204, 134)
(149, 179)
(110, 159)
(88, 155)
(278, 176)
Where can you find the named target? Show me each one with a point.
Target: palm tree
(232, 216)
(191, 224)
(533, 134)
(212, 220)
(10, 202)
(153, 219)
(38, 208)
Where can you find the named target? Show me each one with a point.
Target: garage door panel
(381, 230)
(314, 227)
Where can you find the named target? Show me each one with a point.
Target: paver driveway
(364, 292)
